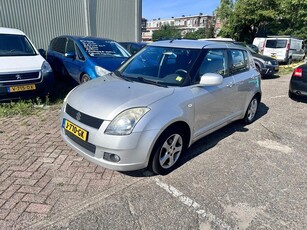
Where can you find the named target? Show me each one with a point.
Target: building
(185, 24)
(43, 20)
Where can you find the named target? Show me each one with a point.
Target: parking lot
(251, 177)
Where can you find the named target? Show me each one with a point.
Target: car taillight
(298, 72)
(288, 46)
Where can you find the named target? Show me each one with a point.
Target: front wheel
(167, 151)
(252, 108)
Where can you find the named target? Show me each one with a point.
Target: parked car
(298, 82)
(84, 58)
(24, 73)
(159, 102)
(285, 49)
(133, 47)
(253, 47)
(266, 66)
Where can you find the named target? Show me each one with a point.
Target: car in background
(159, 102)
(24, 73)
(85, 58)
(133, 47)
(298, 82)
(284, 49)
(253, 47)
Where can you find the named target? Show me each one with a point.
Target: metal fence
(43, 20)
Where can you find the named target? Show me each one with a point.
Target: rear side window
(70, 47)
(277, 43)
(239, 61)
(59, 45)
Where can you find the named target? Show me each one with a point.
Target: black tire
(251, 111)
(289, 62)
(167, 151)
(84, 78)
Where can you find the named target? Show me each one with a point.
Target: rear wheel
(167, 151)
(84, 78)
(252, 108)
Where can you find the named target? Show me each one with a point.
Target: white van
(24, 73)
(284, 48)
(259, 42)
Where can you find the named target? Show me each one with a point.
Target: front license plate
(74, 129)
(20, 88)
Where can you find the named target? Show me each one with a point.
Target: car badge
(18, 77)
(78, 116)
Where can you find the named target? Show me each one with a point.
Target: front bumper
(42, 87)
(269, 70)
(134, 150)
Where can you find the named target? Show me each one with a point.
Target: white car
(159, 102)
(24, 73)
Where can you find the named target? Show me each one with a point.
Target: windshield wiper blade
(144, 80)
(118, 74)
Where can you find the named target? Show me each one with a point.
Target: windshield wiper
(118, 74)
(144, 80)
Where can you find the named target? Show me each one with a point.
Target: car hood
(108, 63)
(106, 96)
(13, 64)
(265, 58)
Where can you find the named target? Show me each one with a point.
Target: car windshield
(276, 43)
(103, 48)
(15, 45)
(160, 65)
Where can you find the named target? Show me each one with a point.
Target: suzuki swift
(159, 102)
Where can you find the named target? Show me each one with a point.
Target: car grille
(83, 118)
(30, 77)
(90, 147)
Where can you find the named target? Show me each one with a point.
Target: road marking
(191, 203)
(280, 96)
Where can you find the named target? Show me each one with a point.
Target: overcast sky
(153, 9)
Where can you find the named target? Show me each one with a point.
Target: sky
(154, 9)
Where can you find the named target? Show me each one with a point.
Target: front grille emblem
(78, 116)
(18, 77)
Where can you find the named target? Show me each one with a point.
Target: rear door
(277, 48)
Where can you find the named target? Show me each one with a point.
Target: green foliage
(201, 33)
(251, 18)
(16, 108)
(166, 32)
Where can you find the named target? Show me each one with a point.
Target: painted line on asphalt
(280, 96)
(191, 203)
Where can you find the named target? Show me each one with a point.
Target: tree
(201, 33)
(166, 32)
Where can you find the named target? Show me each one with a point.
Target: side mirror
(211, 79)
(70, 55)
(42, 52)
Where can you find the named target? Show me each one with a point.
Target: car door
(214, 105)
(245, 78)
(72, 62)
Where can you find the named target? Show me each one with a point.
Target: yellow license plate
(74, 129)
(20, 88)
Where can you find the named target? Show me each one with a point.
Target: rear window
(280, 43)
(15, 45)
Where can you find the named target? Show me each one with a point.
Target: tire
(251, 111)
(167, 151)
(84, 78)
(289, 62)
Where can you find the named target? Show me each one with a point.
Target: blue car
(84, 58)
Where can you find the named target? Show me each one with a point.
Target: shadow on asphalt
(301, 99)
(207, 142)
(271, 77)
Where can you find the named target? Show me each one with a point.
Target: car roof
(5, 30)
(194, 44)
(83, 37)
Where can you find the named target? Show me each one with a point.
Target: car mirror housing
(211, 79)
(70, 55)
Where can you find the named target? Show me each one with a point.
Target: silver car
(159, 102)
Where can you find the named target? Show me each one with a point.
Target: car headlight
(268, 62)
(101, 71)
(46, 68)
(124, 123)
